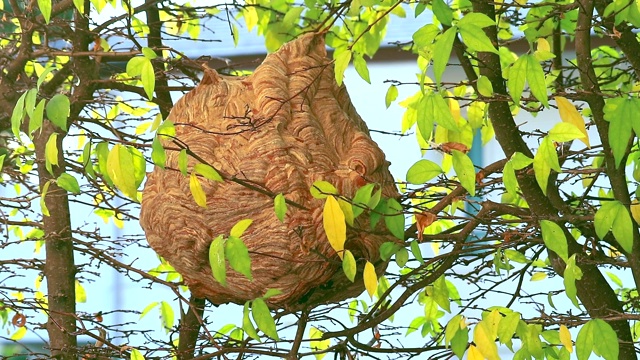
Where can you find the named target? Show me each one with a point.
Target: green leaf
(417, 253)
(585, 341)
(442, 11)
(509, 178)
(51, 152)
(424, 36)
(453, 326)
(361, 199)
(30, 101)
(238, 255)
(321, 189)
(217, 260)
(264, 320)
(554, 238)
(158, 154)
(388, 249)
(68, 183)
(79, 4)
(423, 171)
(485, 88)
(564, 131)
(459, 342)
(572, 273)
(58, 110)
(183, 161)
(45, 9)
(463, 166)
(280, 206)
(349, 265)
(607, 345)
(317, 344)
(166, 316)
(402, 256)
(442, 53)
(17, 115)
(478, 19)
(517, 78)
(271, 293)
(342, 60)
(520, 160)
(134, 66)
(240, 227)
(149, 53)
(620, 113)
(441, 293)
(235, 34)
(474, 37)
(546, 158)
(119, 166)
(148, 78)
(361, 67)
(35, 122)
(247, 325)
(613, 215)
(208, 172)
(507, 326)
(434, 106)
(535, 78)
(391, 96)
(394, 218)
(43, 195)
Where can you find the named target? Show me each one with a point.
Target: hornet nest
(276, 131)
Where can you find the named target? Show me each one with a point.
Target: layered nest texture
(276, 131)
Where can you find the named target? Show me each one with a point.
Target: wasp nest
(276, 131)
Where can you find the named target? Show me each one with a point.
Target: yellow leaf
(565, 338)
(543, 45)
(19, 334)
(635, 210)
(485, 342)
(196, 190)
(474, 353)
(537, 276)
(370, 278)
(569, 114)
(334, 225)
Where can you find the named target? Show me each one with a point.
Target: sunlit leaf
(334, 225)
(45, 9)
(554, 238)
(183, 161)
(316, 343)
(442, 11)
(423, 171)
(148, 308)
(535, 78)
(361, 199)
(119, 165)
(136, 355)
(360, 65)
(321, 189)
(391, 96)
(370, 278)
(51, 152)
(262, 317)
(68, 183)
(442, 51)
(198, 193)
(485, 342)
(537, 276)
(342, 60)
(614, 216)
(166, 316)
(394, 218)
(572, 273)
(565, 338)
(81, 294)
(280, 206)
(35, 122)
(217, 260)
(208, 172)
(569, 114)
(240, 227)
(158, 154)
(517, 78)
(247, 325)
(237, 254)
(349, 265)
(544, 161)
(465, 170)
(485, 88)
(148, 78)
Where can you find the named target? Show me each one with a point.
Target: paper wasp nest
(280, 129)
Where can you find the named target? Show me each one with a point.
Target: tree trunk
(59, 268)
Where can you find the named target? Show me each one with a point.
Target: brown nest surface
(278, 130)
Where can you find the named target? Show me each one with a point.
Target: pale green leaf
(45, 9)
(391, 96)
(149, 53)
(361, 67)
(247, 325)
(535, 78)
(237, 254)
(217, 260)
(442, 52)
(554, 238)
(148, 78)
(442, 11)
(158, 154)
(280, 206)
(35, 122)
(361, 199)
(262, 317)
(476, 40)
(136, 355)
(349, 265)
(51, 152)
(465, 170)
(485, 88)
(342, 60)
(68, 183)
(183, 161)
(240, 227)
(321, 189)
(517, 78)
(423, 171)
(166, 316)
(394, 218)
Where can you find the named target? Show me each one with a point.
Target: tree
(84, 97)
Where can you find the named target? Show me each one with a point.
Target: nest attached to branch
(278, 130)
